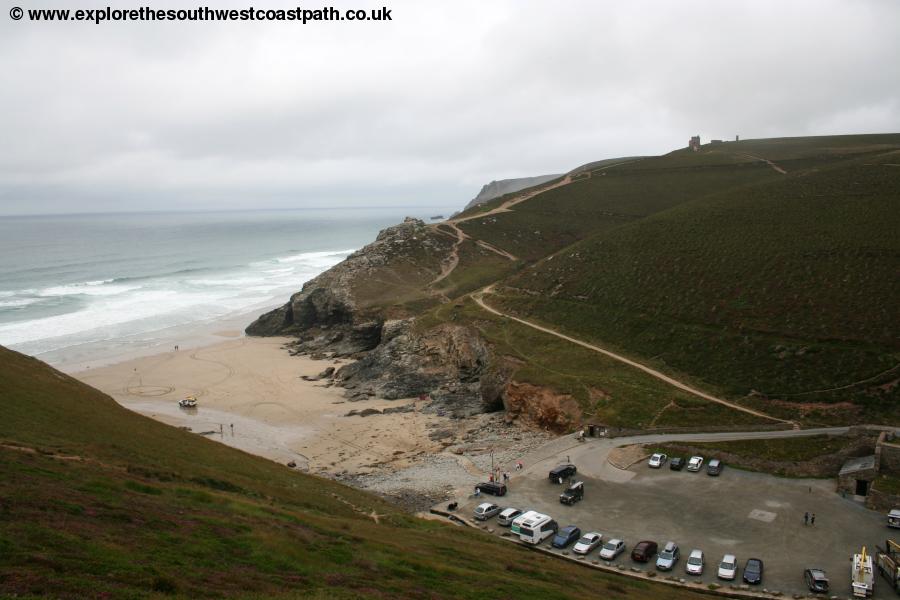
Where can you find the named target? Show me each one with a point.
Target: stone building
(871, 476)
(694, 143)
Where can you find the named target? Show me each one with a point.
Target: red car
(643, 551)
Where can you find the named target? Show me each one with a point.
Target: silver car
(695, 563)
(485, 511)
(612, 549)
(507, 516)
(668, 557)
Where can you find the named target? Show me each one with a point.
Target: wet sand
(256, 386)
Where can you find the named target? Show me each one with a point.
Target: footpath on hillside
(478, 297)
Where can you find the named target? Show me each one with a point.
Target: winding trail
(506, 206)
(478, 297)
(765, 160)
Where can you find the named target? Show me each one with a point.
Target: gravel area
(466, 460)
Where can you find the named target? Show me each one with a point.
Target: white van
(534, 527)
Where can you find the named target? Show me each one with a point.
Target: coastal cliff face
(342, 311)
(495, 189)
(362, 308)
(451, 364)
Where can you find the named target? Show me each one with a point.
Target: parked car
(816, 580)
(677, 463)
(714, 467)
(643, 551)
(893, 518)
(695, 464)
(566, 536)
(491, 487)
(486, 510)
(573, 493)
(561, 472)
(695, 563)
(612, 549)
(728, 568)
(753, 571)
(657, 460)
(668, 557)
(588, 542)
(507, 516)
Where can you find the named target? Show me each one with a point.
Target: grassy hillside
(780, 289)
(98, 502)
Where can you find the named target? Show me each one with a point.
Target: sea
(91, 289)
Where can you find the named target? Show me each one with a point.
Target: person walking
(806, 518)
(812, 519)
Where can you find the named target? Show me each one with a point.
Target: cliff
(495, 189)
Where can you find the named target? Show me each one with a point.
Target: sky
(418, 111)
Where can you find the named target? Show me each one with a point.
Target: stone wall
(887, 453)
(882, 502)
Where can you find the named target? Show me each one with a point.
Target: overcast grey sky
(419, 111)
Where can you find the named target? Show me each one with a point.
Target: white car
(728, 567)
(695, 464)
(694, 565)
(485, 511)
(657, 460)
(612, 549)
(588, 542)
(507, 516)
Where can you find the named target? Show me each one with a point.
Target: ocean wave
(89, 288)
(17, 302)
(313, 256)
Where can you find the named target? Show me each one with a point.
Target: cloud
(420, 110)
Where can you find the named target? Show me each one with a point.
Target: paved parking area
(741, 513)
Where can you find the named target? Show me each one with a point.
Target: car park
(695, 563)
(677, 463)
(588, 542)
(695, 464)
(566, 536)
(486, 510)
(562, 472)
(668, 557)
(507, 516)
(728, 567)
(643, 551)
(573, 493)
(714, 467)
(657, 460)
(612, 549)
(753, 571)
(816, 580)
(491, 487)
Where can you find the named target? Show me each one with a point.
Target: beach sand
(251, 396)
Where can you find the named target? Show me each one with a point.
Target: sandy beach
(251, 396)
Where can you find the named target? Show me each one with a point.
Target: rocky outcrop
(541, 407)
(495, 189)
(450, 364)
(335, 312)
(362, 308)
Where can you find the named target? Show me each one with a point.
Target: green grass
(783, 449)
(778, 290)
(888, 484)
(606, 390)
(97, 501)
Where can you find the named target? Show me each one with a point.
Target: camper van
(533, 527)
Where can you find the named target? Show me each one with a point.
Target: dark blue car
(566, 536)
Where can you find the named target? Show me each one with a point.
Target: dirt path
(506, 206)
(479, 298)
(765, 160)
(450, 263)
